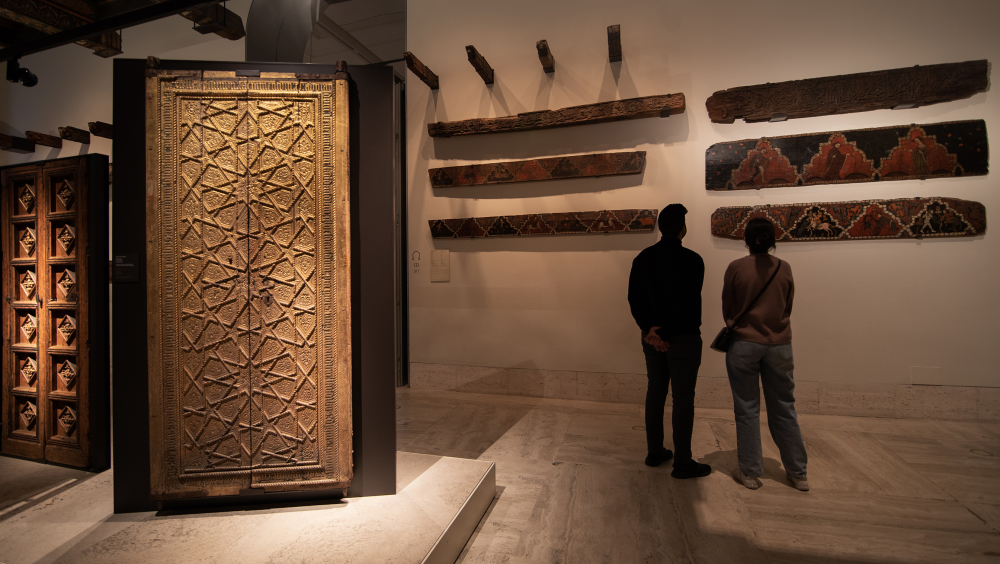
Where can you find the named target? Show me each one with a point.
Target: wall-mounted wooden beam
(16, 144)
(545, 56)
(569, 223)
(614, 43)
(936, 150)
(618, 110)
(555, 168)
(218, 20)
(479, 63)
(905, 218)
(880, 90)
(43, 139)
(73, 134)
(421, 70)
(101, 129)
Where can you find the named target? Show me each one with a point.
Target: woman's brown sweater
(768, 321)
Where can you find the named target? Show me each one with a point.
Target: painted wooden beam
(101, 129)
(421, 70)
(601, 112)
(73, 134)
(545, 56)
(43, 139)
(16, 144)
(896, 88)
(479, 63)
(555, 168)
(569, 223)
(904, 218)
(614, 43)
(937, 150)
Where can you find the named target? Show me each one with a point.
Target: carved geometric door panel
(46, 284)
(249, 289)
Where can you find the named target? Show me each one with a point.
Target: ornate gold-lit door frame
(248, 220)
(46, 283)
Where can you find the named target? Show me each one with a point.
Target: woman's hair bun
(759, 235)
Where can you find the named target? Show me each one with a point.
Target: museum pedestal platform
(439, 503)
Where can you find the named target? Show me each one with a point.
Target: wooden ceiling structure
(30, 26)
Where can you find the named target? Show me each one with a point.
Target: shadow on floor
(28, 481)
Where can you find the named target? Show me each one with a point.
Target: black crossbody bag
(724, 339)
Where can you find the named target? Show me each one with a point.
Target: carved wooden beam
(216, 19)
(545, 56)
(73, 134)
(101, 129)
(421, 70)
(869, 219)
(16, 144)
(605, 221)
(479, 63)
(958, 148)
(575, 166)
(43, 139)
(618, 110)
(614, 43)
(903, 88)
(53, 17)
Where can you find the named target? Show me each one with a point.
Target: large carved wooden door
(249, 284)
(47, 315)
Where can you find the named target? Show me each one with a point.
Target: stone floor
(74, 524)
(573, 487)
(23, 482)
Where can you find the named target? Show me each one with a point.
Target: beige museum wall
(550, 314)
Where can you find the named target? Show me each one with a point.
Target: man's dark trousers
(678, 369)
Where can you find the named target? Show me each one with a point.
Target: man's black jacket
(664, 289)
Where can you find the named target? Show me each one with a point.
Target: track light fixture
(16, 74)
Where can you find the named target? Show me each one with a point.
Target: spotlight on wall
(16, 74)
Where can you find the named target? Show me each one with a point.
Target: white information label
(441, 266)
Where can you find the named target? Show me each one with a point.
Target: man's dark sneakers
(691, 469)
(657, 458)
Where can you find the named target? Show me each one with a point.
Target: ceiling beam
(218, 20)
(109, 24)
(49, 18)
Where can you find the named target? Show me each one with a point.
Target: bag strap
(754, 300)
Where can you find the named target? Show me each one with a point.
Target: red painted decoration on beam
(869, 219)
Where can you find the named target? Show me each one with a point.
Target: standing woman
(762, 348)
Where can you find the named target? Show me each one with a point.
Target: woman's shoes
(801, 485)
(750, 483)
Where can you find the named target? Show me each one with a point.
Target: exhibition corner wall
(882, 327)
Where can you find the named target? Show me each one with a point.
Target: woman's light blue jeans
(745, 362)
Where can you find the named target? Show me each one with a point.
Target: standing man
(664, 293)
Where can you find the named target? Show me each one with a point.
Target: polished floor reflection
(573, 488)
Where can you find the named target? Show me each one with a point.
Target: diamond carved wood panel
(27, 198)
(29, 371)
(250, 383)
